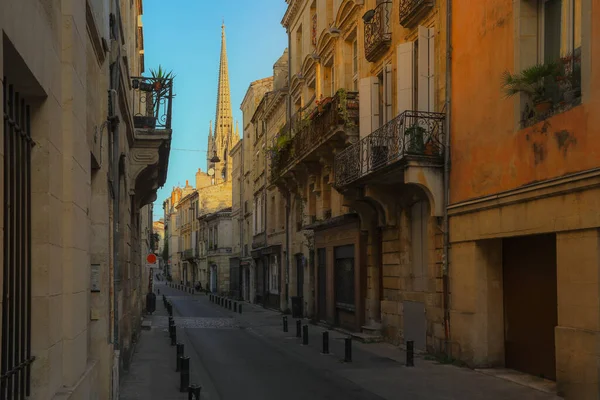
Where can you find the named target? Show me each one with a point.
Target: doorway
(322, 283)
(213, 278)
(530, 304)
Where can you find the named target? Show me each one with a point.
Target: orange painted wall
(488, 155)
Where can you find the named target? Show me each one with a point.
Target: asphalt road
(236, 363)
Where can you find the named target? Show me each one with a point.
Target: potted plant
(532, 82)
(415, 134)
(569, 80)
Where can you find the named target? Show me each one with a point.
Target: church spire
(222, 140)
(223, 118)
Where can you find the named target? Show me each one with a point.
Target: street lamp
(368, 16)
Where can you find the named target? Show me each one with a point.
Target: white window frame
(569, 28)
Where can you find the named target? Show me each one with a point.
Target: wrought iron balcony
(152, 102)
(311, 129)
(188, 254)
(412, 133)
(378, 36)
(411, 11)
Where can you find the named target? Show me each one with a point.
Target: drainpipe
(288, 194)
(446, 288)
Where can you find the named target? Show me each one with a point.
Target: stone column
(577, 336)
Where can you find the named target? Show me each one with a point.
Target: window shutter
(432, 69)
(364, 98)
(426, 72)
(405, 77)
(387, 92)
(374, 103)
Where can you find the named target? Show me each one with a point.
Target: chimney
(187, 183)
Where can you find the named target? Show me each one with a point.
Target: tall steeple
(224, 138)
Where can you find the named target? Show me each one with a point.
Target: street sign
(151, 260)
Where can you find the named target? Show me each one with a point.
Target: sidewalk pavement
(152, 373)
(380, 367)
(376, 367)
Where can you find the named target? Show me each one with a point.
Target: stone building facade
(524, 219)
(268, 206)
(243, 186)
(84, 171)
(216, 244)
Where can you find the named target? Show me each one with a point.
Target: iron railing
(15, 364)
(410, 133)
(412, 10)
(152, 102)
(313, 128)
(378, 36)
(188, 254)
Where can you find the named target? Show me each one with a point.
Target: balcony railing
(378, 36)
(410, 133)
(152, 102)
(412, 10)
(188, 254)
(311, 129)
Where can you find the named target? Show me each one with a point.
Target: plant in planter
(569, 80)
(415, 135)
(532, 82)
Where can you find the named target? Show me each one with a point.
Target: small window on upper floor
(552, 55)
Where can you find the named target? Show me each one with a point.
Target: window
(16, 307)
(344, 277)
(216, 233)
(274, 275)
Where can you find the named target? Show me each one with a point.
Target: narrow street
(248, 356)
(241, 363)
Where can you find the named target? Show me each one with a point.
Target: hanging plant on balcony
(163, 80)
(342, 96)
(533, 82)
(415, 135)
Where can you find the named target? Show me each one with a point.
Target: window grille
(15, 364)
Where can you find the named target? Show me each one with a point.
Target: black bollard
(174, 336)
(230, 305)
(410, 353)
(298, 328)
(305, 335)
(348, 350)
(179, 355)
(325, 342)
(285, 326)
(158, 291)
(240, 308)
(184, 377)
(194, 392)
(235, 306)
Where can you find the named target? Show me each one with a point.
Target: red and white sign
(151, 260)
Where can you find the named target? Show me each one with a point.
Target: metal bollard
(235, 306)
(410, 353)
(158, 291)
(325, 342)
(285, 325)
(230, 304)
(240, 308)
(348, 350)
(174, 336)
(305, 335)
(179, 355)
(194, 392)
(184, 374)
(298, 328)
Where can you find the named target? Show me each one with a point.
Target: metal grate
(16, 290)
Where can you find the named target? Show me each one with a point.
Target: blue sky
(185, 36)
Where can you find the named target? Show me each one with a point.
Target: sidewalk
(380, 367)
(152, 373)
